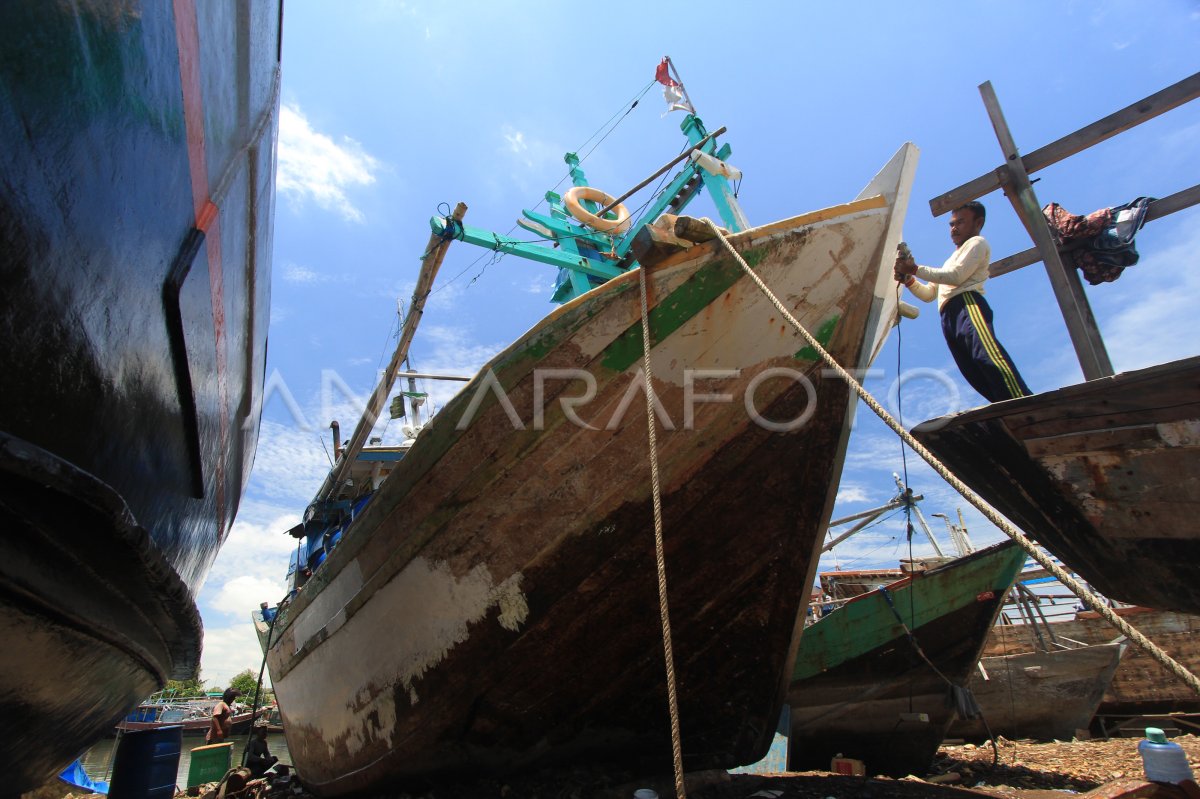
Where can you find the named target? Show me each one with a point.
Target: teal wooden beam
(718, 186)
(562, 228)
(505, 244)
(658, 206)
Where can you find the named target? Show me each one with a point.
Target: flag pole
(682, 88)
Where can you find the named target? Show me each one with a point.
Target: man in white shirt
(966, 316)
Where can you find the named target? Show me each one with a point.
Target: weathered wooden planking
(1140, 684)
(1041, 695)
(1105, 474)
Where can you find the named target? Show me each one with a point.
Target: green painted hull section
(867, 622)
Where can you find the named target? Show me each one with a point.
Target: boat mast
(920, 518)
(431, 261)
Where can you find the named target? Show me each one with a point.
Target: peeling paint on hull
(1105, 474)
(507, 615)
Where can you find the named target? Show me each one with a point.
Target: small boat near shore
(136, 216)
(872, 677)
(490, 602)
(1104, 474)
(194, 717)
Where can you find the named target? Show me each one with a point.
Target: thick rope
(1079, 589)
(656, 492)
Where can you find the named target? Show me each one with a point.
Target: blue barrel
(147, 764)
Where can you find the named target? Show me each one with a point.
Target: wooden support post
(1173, 96)
(1068, 289)
(431, 262)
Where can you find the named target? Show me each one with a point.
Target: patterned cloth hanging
(1101, 242)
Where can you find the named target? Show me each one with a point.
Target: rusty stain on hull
(522, 559)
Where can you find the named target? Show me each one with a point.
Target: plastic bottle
(1163, 760)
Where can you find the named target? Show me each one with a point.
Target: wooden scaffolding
(1013, 177)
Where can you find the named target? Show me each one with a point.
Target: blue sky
(390, 108)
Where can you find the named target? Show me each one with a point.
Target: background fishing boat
(502, 575)
(1104, 474)
(136, 202)
(1045, 695)
(195, 717)
(1139, 686)
(872, 678)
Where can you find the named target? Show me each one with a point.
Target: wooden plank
(431, 262)
(652, 245)
(1157, 210)
(1159, 103)
(696, 230)
(1068, 290)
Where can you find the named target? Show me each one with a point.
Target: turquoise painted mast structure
(588, 258)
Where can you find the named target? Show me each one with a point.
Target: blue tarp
(75, 775)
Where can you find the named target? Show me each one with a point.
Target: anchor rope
(1076, 587)
(660, 560)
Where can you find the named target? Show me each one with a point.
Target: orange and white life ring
(572, 200)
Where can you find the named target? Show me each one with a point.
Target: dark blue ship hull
(136, 205)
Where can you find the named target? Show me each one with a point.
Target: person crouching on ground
(966, 315)
(258, 758)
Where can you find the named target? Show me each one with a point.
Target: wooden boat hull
(136, 202)
(856, 672)
(241, 724)
(1140, 684)
(1105, 474)
(495, 606)
(1040, 695)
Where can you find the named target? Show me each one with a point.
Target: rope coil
(1076, 587)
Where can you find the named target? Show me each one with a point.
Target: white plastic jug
(1163, 760)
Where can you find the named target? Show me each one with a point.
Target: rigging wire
(495, 254)
(908, 525)
(866, 555)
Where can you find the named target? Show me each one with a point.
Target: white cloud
(312, 166)
(533, 158)
(290, 463)
(251, 568)
(515, 139)
(1151, 315)
(539, 285)
(852, 492)
(244, 593)
(229, 651)
(295, 273)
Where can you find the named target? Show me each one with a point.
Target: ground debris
(1078, 766)
(1112, 769)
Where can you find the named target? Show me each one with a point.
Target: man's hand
(903, 267)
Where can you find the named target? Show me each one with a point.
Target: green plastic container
(209, 763)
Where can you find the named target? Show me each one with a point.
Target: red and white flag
(673, 91)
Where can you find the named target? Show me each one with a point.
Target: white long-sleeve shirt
(965, 270)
